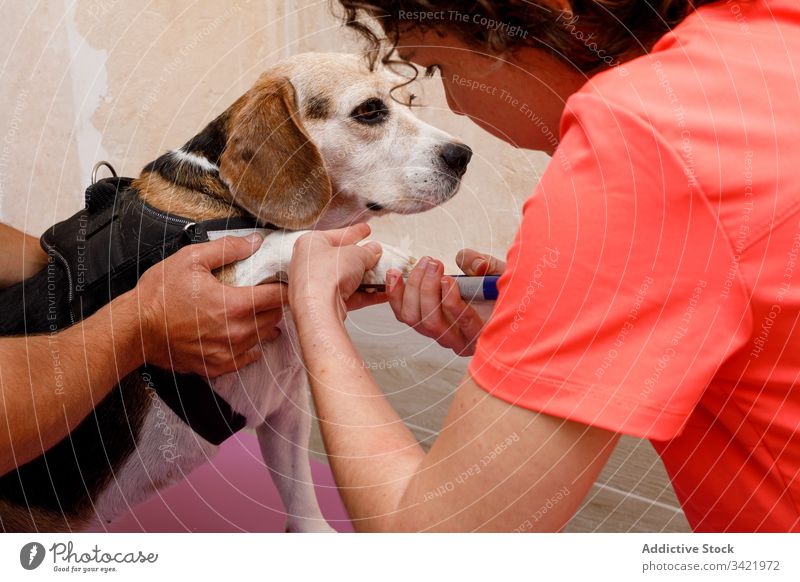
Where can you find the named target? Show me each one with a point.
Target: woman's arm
(494, 466)
(21, 256)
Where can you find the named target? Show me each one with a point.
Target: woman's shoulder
(725, 55)
(710, 89)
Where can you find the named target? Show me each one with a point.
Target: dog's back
(25, 305)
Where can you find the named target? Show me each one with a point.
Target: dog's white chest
(262, 387)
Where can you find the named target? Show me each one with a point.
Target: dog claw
(391, 258)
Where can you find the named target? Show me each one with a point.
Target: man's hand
(431, 303)
(193, 323)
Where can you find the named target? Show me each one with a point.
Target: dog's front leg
(271, 261)
(284, 437)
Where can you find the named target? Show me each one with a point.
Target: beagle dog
(317, 143)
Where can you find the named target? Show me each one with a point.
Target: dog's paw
(391, 258)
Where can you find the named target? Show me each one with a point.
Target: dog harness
(103, 250)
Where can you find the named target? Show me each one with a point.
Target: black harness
(104, 249)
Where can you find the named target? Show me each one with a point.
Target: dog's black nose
(456, 156)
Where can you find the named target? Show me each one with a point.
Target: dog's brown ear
(269, 163)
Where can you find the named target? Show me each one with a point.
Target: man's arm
(21, 256)
(49, 384)
(494, 467)
(179, 316)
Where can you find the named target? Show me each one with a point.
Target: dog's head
(319, 142)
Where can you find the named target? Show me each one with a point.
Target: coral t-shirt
(653, 288)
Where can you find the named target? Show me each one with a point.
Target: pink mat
(234, 493)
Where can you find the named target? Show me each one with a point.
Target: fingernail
(254, 238)
(432, 267)
(423, 263)
(391, 280)
(374, 247)
(477, 264)
(445, 284)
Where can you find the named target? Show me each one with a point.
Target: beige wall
(123, 81)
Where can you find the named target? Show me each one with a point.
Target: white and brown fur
(291, 152)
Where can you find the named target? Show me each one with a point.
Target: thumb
(476, 264)
(370, 253)
(225, 250)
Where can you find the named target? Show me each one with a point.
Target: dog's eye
(370, 111)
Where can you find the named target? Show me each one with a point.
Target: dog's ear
(270, 164)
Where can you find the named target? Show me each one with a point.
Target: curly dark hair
(591, 36)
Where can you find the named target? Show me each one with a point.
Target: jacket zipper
(167, 217)
(70, 294)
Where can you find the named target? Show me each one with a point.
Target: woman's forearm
(504, 461)
(372, 452)
(50, 383)
(21, 257)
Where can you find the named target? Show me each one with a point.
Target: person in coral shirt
(653, 288)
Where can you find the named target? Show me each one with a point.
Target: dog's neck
(186, 181)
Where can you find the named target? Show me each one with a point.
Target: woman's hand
(329, 266)
(193, 323)
(431, 303)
